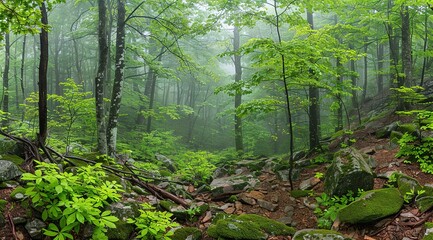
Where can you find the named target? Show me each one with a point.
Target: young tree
(5, 100)
(238, 96)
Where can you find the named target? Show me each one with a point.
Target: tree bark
(425, 46)
(380, 68)
(406, 47)
(116, 97)
(314, 108)
(101, 77)
(239, 145)
(5, 100)
(23, 92)
(43, 67)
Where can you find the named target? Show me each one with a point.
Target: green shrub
(196, 167)
(328, 207)
(153, 225)
(69, 201)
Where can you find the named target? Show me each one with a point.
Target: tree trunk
(5, 100)
(426, 34)
(116, 97)
(22, 68)
(314, 108)
(153, 76)
(43, 69)
(406, 47)
(238, 97)
(364, 89)
(101, 77)
(380, 68)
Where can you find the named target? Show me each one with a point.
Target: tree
(101, 77)
(43, 68)
(314, 107)
(5, 100)
(116, 97)
(238, 96)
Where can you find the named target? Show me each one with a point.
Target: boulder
(372, 205)
(166, 162)
(307, 234)
(8, 170)
(35, 227)
(407, 186)
(424, 201)
(349, 171)
(122, 211)
(8, 146)
(248, 226)
(187, 233)
(386, 131)
(232, 184)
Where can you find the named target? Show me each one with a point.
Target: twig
(11, 222)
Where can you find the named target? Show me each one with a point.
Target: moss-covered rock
(13, 158)
(247, 226)
(2, 205)
(372, 205)
(395, 136)
(269, 226)
(349, 171)
(424, 201)
(406, 184)
(123, 211)
(190, 233)
(409, 128)
(428, 235)
(236, 229)
(18, 193)
(300, 193)
(318, 234)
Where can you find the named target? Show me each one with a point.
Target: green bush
(153, 225)
(69, 201)
(196, 167)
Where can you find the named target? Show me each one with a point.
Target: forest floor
(407, 224)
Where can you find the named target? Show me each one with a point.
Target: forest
(205, 84)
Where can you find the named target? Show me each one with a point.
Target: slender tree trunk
(5, 101)
(425, 46)
(153, 76)
(364, 89)
(339, 66)
(17, 95)
(101, 77)
(35, 81)
(380, 68)
(22, 80)
(43, 67)
(287, 98)
(118, 79)
(314, 108)
(406, 47)
(238, 96)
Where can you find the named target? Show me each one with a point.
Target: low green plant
(319, 175)
(152, 224)
(328, 207)
(196, 167)
(408, 196)
(69, 201)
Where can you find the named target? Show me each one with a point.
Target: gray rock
(309, 183)
(19, 220)
(34, 228)
(267, 205)
(123, 211)
(8, 170)
(348, 172)
(167, 162)
(318, 234)
(232, 184)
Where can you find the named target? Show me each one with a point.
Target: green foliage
(70, 201)
(74, 111)
(328, 207)
(196, 167)
(153, 225)
(145, 145)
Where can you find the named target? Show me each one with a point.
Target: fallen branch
(11, 223)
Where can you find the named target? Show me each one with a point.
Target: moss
(268, 225)
(232, 199)
(236, 229)
(407, 128)
(2, 205)
(424, 201)
(428, 237)
(372, 205)
(395, 136)
(300, 193)
(191, 233)
(407, 184)
(428, 225)
(13, 158)
(221, 216)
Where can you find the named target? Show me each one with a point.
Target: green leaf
(71, 218)
(80, 217)
(50, 233)
(59, 189)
